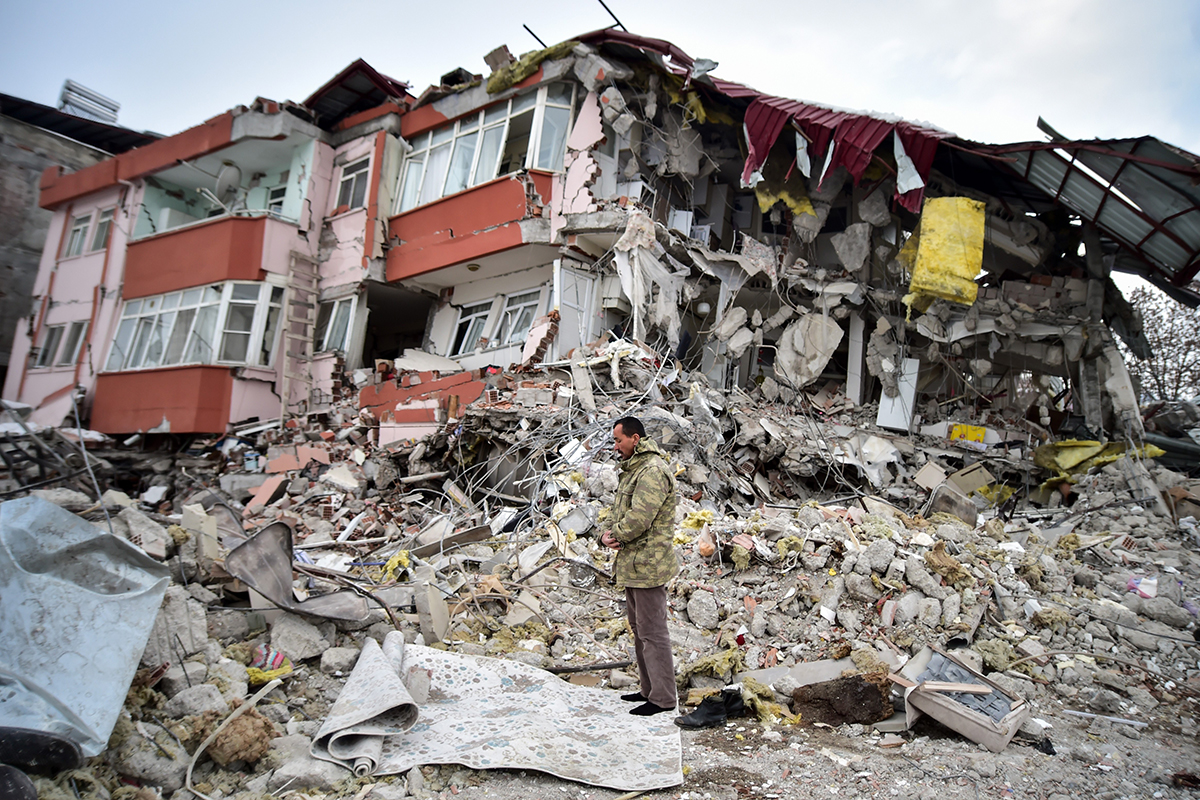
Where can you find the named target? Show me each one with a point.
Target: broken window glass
(519, 311)
(471, 322)
(333, 323)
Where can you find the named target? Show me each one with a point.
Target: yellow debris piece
(395, 563)
(1073, 456)
(949, 254)
(257, 677)
(996, 493)
(510, 75)
(696, 520)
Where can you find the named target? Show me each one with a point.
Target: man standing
(642, 532)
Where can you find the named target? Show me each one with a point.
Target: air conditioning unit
(169, 218)
(611, 296)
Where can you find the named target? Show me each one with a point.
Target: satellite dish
(229, 179)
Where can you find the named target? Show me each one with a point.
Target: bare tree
(1173, 330)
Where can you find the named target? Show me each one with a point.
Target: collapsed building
(373, 344)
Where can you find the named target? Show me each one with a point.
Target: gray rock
(240, 485)
(180, 625)
(930, 612)
(895, 570)
(951, 607)
(416, 783)
(702, 610)
(146, 533)
(1164, 610)
(908, 607)
(1104, 701)
(921, 579)
(831, 593)
(1139, 639)
(758, 625)
(338, 659)
(69, 499)
(1087, 578)
(297, 639)
(1169, 588)
(228, 625)
(161, 763)
(181, 676)
(879, 555)
(850, 619)
(861, 588)
(302, 771)
(291, 746)
(196, 700)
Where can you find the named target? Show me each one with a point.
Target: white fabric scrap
(907, 177)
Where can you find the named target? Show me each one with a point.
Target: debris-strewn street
(1081, 616)
(307, 458)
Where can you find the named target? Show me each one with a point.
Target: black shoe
(636, 697)
(714, 710)
(38, 751)
(648, 709)
(15, 785)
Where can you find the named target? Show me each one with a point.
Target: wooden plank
(946, 686)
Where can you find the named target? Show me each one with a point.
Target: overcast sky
(984, 69)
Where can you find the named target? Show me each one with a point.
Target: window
(333, 325)
(517, 319)
(77, 236)
(228, 323)
(471, 322)
(353, 189)
(527, 131)
(275, 199)
(53, 337)
(103, 226)
(49, 346)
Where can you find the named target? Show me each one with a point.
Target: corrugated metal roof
(109, 138)
(1142, 192)
(358, 87)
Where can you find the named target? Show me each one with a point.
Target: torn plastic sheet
(805, 347)
(731, 270)
(869, 453)
(907, 177)
(264, 563)
(78, 606)
(802, 160)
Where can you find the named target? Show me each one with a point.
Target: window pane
(71, 345)
(439, 157)
(140, 340)
(341, 323)
(49, 346)
(158, 340)
(468, 124)
(240, 318)
(170, 301)
(212, 294)
(190, 298)
(78, 234)
(443, 135)
(183, 324)
(361, 181)
(324, 312)
(412, 182)
(489, 154)
(234, 345)
(517, 143)
(246, 291)
(276, 295)
(116, 356)
(267, 346)
(201, 346)
(344, 192)
(524, 102)
(151, 305)
(103, 224)
(460, 164)
(421, 142)
(132, 308)
(552, 146)
(559, 94)
(495, 113)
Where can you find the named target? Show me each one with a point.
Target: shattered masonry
(913, 471)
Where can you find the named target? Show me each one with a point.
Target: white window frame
(77, 235)
(275, 202)
(505, 336)
(417, 160)
(72, 344)
(151, 324)
(326, 344)
(51, 338)
(468, 314)
(103, 230)
(352, 179)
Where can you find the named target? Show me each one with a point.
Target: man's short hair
(631, 426)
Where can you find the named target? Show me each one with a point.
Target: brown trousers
(647, 611)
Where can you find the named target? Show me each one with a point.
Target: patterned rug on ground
(407, 705)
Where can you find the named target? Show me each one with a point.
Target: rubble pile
(828, 566)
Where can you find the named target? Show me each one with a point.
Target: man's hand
(609, 541)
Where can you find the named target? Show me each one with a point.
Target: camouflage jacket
(643, 519)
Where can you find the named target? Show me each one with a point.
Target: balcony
(193, 399)
(227, 248)
(465, 226)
